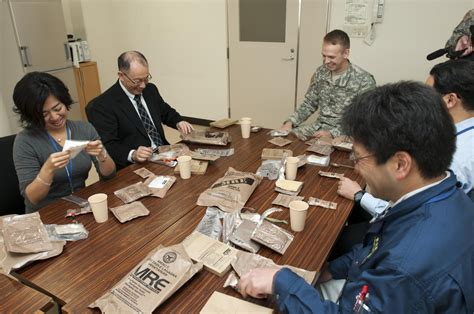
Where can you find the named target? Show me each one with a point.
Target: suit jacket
(119, 124)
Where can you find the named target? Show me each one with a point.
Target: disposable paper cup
(184, 163)
(98, 203)
(298, 211)
(246, 119)
(245, 128)
(291, 168)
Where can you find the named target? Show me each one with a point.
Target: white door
(262, 59)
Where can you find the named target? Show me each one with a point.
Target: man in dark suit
(128, 116)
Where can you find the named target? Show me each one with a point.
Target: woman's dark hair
(405, 116)
(30, 94)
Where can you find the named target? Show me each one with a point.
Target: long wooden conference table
(88, 268)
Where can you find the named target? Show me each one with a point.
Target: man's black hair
(455, 76)
(126, 58)
(405, 116)
(30, 94)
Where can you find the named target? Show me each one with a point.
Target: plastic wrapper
(271, 169)
(333, 175)
(174, 150)
(275, 133)
(130, 211)
(272, 237)
(150, 283)
(73, 212)
(159, 185)
(67, 232)
(166, 159)
(216, 152)
(76, 200)
(231, 192)
(279, 141)
(245, 262)
(144, 172)
(25, 234)
(207, 137)
(133, 192)
(210, 223)
(321, 203)
(75, 147)
(255, 129)
(284, 200)
(322, 161)
(11, 261)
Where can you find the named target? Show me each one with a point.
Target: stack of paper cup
(298, 211)
(98, 204)
(184, 163)
(291, 168)
(245, 124)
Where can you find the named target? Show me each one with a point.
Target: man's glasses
(355, 160)
(137, 82)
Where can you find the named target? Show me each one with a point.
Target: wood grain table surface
(88, 268)
(18, 298)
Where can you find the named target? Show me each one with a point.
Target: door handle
(290, 58)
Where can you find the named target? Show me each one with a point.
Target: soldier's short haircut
(455, 76)
(126, 58)
(405, 116)
(338, 37)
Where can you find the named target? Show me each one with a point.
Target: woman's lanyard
(57, 148)
(465, 130)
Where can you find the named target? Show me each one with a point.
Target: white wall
(410, 30)
(184, 41)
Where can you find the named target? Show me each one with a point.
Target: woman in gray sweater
(44, 171)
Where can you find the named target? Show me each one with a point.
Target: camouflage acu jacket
(331, 98)
(461, 30)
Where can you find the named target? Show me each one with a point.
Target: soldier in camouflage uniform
(462, 37)
(331, 90)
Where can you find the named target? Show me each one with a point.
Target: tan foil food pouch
(130, 211)
(25, 234)
(143, 172)
(159, 185)
(133, 192)
(150, 283)
(231, 192)
(207, 137)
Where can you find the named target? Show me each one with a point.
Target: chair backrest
(11, 201)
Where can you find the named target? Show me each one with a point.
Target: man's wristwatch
(358, 196)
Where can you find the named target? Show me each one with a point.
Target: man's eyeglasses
(137, 82)
(355, 160)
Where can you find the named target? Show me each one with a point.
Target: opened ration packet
(231, 192)
(275, 133)
(11, 261)
(321, 148)
(215, 152)
(133, 192)
(130, 211)
(214, 255)
(245, 262)
(333, 175)
(150, 283)
(321, 203)
(343, 143)
(241, 236)
(144, 172)
(276, 153)
(207, 137)
(75, 147)
(280, 141)
(272, 237)
(159, 185)
(25, 234)
(285, 200)
(164, 159)
(174, 150)
(205, 157)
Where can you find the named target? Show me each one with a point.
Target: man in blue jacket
(418, 255)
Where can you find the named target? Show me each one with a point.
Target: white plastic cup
(298, 212)
(291, 167)
(98, 204)
(246, 119)
(245, 128)
(184, 163)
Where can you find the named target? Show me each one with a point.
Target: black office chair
(11, 201)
